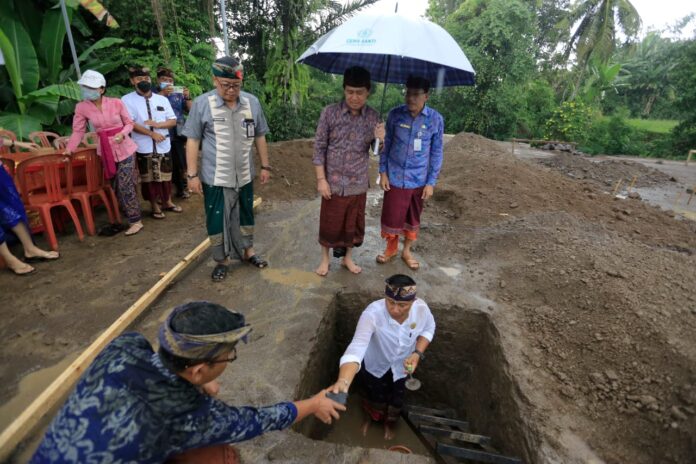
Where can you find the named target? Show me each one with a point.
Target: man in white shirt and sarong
(389, 343)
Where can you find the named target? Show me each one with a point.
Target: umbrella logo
(362, 39)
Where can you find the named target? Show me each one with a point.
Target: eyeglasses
(226, 86)
(233, 356)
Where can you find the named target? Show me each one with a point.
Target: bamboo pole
(618, 185)
(56, 391)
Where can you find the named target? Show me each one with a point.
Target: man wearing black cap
(409, 166)
(228, 122)
(389, 342)
(135, 405)
(341, 156)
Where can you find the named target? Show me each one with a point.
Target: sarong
(246, 211)
(11, 207)
(125, 186)
(222, 212)
(383, 398)
(401, 211)
(155, 176)
(342, 221)
(216, 454)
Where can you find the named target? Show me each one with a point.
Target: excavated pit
(465, 370)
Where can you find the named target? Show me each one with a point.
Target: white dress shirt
(161, 111)
(383, 344)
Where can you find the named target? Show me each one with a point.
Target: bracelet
(420, 354)
(266, 168)
(189, 176)
(345, 382)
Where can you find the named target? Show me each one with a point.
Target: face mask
(144, 86)
(90, 94)
(164, 85)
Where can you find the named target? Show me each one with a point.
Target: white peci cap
(92, 79)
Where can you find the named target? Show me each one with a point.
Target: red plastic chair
(61, 142)
(6, 134)
(8, 165)
(54, 190)
(43, 138)
(87, 160)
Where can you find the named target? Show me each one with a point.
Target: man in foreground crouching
(135, 405)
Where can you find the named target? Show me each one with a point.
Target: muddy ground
(566, 316)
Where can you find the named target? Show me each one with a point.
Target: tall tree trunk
(157, 12)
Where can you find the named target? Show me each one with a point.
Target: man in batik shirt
(341, 157)
(135, 405)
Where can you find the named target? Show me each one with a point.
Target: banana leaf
(105, 42)
(11, 65)
(52, 38)
(24, 55)
(44, 108)
(20, 124)
(31, 19)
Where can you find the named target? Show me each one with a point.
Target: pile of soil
(606, 173)
(293, 172)
(603, 287)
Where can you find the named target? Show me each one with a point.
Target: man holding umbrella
(409, 166)
(341, 155)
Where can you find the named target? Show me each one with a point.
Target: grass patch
(658, 126)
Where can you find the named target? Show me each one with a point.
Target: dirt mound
(605, 173)
(604, 288)
(293, 175)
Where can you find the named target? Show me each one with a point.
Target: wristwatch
(189, 176)
(266, 168)
(420, 354)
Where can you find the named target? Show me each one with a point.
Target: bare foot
(410, 261)
(388, 431)
(37, 252)
(19, 267)
(323, 268)
(134, 228)
(365, 426)
(351, 266)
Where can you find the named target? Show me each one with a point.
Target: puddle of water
(292, 277)
(347, 431)
(30, 387)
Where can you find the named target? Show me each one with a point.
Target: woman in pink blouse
(112, 122)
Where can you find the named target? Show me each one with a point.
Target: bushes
(571, 122)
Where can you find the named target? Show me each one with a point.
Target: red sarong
(342, 221)
(401, 211)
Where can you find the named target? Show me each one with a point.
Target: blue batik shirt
(129, 408)
(410, 163)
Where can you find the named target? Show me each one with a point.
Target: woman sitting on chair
(13, 217)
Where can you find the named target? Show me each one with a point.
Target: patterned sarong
(222, 216)
(401, 211)
(342, 221)
(383, 398)
(155, 176)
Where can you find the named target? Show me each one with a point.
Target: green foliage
(656, 126)
(498, 38)
(539, 105)
(570, 122)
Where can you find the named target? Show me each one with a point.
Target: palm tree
(597, 24)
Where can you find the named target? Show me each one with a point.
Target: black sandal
(254, 260)
(219, 273)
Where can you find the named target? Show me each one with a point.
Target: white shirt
(383, 343)
(161, 111)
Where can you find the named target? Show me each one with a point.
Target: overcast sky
(656, 14)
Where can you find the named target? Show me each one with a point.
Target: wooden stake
(633, 182)
(58, 389)
(618, 184)
(693, 190)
